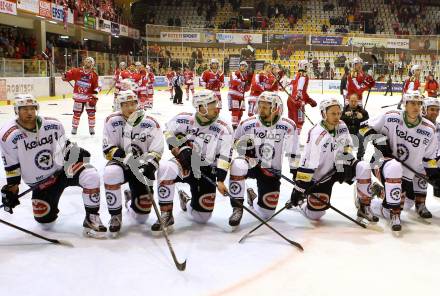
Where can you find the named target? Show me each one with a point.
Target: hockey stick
(179, 266)
(110, 89)
(237, 204)
(51, 240)
(288, 96)
(287, 205)
(50, 61)
(386, 106)
(368, 96)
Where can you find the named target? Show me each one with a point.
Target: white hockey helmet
(122, 65)
(302, 65)
(243, 63)
(23, 100)
(413, 96)
(90, 59)
(327, 103)
(128, 84)
(273, 98)
(126, 96)
(430, 102)
(415, 67)
(214, 61)
(357, 60)
(203, 98)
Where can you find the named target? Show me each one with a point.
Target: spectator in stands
(343, 86)
(199, 56)
(353, 114)
(274, 54)
(389, 86)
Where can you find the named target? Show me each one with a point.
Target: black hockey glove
(383, 145)
(299, 192)
(149, 169)
(345, 166)
(9, 198)
(434, 177)
(293, 172)
(74, 153)
(184, 157)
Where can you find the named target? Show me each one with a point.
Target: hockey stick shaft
(54, 241)
(179, 266)
(368, 96)
(386, 106)
(288, 96)
(50, 61)
(286, 206)
(237, 204)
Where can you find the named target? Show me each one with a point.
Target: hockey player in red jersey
(142, 89)
(188, 77)
(84, 93)
(358, 81)
(170, 75)
(299, 97)
(120, 74)
(239, 83)
(150, 87)
(412, 83)
(213, 79)
(263, 81)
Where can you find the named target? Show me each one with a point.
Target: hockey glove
(383, 145)
(434, 177)
(149, 169)
(9, 198)
(74, 153)
(184, 157)
(345, 165)
(299, 193)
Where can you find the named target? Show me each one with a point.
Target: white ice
(340, 258)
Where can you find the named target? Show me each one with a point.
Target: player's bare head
(243, 66)
(132, 67)
(214, 64)
(122, 65)
(269, 106)
(128, 102)
(353, 100)
(206, 104)
(26, 108)
(431, 108)
(89, 63)
(139, 66)
(331, 111)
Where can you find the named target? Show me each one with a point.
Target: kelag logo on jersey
(43, 160)
(404, 135)
(270, 136)
(41, 142)
(206, 137)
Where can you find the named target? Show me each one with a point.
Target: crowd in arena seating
(15, 44)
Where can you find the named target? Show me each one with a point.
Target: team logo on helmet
(44, 160)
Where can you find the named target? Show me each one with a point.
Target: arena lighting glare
(53, 22)
(64, 37)
(85, 39)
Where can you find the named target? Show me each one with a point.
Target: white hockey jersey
(144, 138)
(321, 150)
(32, 156)
(270, 142)
(416, 146)
(212, 142)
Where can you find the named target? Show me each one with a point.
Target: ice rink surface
(340, 258)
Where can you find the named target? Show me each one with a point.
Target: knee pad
(269, 201)
(168, 170)
(113, 174)
(363, 170)
(239, 167)
(197, 216)
(89, 178)
(392, 169)
(206, 202)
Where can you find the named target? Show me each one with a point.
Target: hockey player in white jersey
(261, 142)
(133, 144)
(34, 148)
(409, 138)
(200, 143)
(328, 148)
(431, 110)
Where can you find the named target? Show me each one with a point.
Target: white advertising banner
(29, 6)
(238, 38)
(179, 37)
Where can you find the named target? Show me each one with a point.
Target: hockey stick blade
(297, 245)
